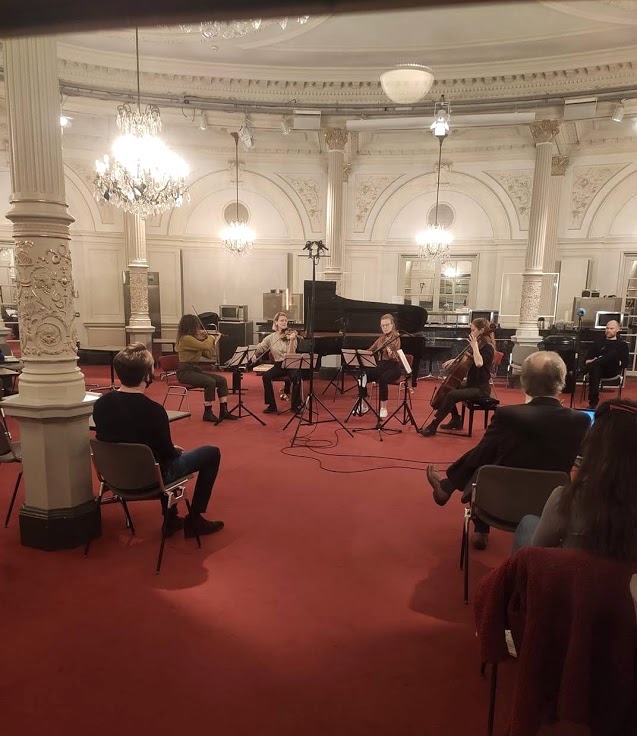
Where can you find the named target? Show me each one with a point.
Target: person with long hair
(194, 343)
(279, 343)
(597, 510)
(482, 345)
(388, 365)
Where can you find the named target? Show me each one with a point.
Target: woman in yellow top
(193, 343)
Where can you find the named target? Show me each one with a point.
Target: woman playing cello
(479, 354)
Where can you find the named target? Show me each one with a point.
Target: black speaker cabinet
(236, 334)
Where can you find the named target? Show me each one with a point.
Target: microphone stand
(578, 338)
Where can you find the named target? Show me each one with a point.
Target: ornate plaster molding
(543, 131)
(519, 186)
(367, 192)
(310, 191)
(558, 165)
(335, 138)
(587, 182)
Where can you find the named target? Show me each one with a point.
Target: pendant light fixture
(238, 238)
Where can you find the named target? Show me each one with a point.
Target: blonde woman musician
(388, 365)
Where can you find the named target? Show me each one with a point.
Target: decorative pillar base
(144, 333)
(60, 511)
(5, 332)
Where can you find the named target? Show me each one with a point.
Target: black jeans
(386, 372)
(204, 461)
(453, 397)
(598, 370)
(278, 372)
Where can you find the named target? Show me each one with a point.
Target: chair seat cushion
(487, 402)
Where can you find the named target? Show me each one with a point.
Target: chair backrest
(126, 466)
(169, 363)
(511, 493)
(497, 358)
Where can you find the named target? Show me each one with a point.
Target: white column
(139, 328)
(543, 133)
(52, 407)
(558, 169)
(335, 140)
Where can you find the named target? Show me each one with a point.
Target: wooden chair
(130, 473)
(500, 497)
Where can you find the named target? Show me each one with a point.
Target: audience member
(540, 435)
(597, 511)
(128, 415)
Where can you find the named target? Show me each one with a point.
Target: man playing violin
(482, 350)
(280, 343)
(194, 343)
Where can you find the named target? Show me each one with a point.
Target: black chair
(130, 473)
(500, 497)
(10, 452)
(486, 404)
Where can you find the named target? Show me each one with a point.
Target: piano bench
(485, 404)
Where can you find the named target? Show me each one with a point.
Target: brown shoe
(433, 476)
(480, 540)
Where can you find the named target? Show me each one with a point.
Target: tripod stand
(237, 364)
(356, 361)
(581, 312)
(308, 413)
(408, 415)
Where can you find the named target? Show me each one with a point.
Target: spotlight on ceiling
(285, 128)
(618, 112)
(245, 134)
(203, 123)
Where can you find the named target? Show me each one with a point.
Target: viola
(456, 375)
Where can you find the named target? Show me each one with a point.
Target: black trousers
(278, 372)
(386, 372)
(453, 397)
(601, 368)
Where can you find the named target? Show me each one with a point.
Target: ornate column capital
(335, 138)
(543, 131)
(347, 170)
(558, 165)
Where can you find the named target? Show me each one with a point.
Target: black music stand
(315, 249)
(408, 415)
(237, 364)
(357, 361)
(342, 369)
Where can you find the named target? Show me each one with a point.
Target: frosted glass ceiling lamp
(407, 83)
(618, 112)
(238, 238)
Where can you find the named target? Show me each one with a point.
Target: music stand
(408, 415)
(237, 364)
(357, 361)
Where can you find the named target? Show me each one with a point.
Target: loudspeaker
(236, 334)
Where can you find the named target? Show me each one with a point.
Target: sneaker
(455, 423)
(283, 396)
(480, 540)
(194, 525)
(271, 409)
(383, 413)
(174, 523)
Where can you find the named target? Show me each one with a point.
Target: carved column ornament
(558, 165)
(544, 131)
(335, 138)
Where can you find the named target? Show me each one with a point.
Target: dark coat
(541, 435)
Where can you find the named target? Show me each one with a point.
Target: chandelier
(144, 177)
(230, 29)
(434, 241)
(407, 83)
(238, 238)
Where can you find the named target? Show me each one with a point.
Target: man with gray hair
(539, 435)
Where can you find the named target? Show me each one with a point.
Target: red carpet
(330, 604)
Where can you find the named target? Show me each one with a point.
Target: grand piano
(352, 323)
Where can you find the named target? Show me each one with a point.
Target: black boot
(208, 416)
(225, 414)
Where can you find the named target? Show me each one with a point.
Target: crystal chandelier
(230, 29)
(433, 243)
(238, 238)
(144, 176)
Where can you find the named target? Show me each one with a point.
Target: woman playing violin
(388, 366)
(194, 343)
(280, 342)
(482, 350)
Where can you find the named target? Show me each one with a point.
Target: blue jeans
(205, 462)
(524, 533)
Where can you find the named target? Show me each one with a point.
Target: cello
(456, 375)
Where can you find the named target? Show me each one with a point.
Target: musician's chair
(486, 404)
(497, 360)
(611, 382)
(168, 365)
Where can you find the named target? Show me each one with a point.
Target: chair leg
(471, 410)
(88, 541)
(13, 497)
(197, 537)
(465, 536)
(161, 545)
(129, 520)
(494, 685)
(466, 567)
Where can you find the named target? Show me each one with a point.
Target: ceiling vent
(307, 120)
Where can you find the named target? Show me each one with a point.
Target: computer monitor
(603, 318)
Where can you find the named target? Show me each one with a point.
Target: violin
(456, 375)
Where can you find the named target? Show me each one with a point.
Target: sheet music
(404, 361)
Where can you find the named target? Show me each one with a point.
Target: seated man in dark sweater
(606, 358)
(129, 416)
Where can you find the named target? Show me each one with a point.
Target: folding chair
(130, 473)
